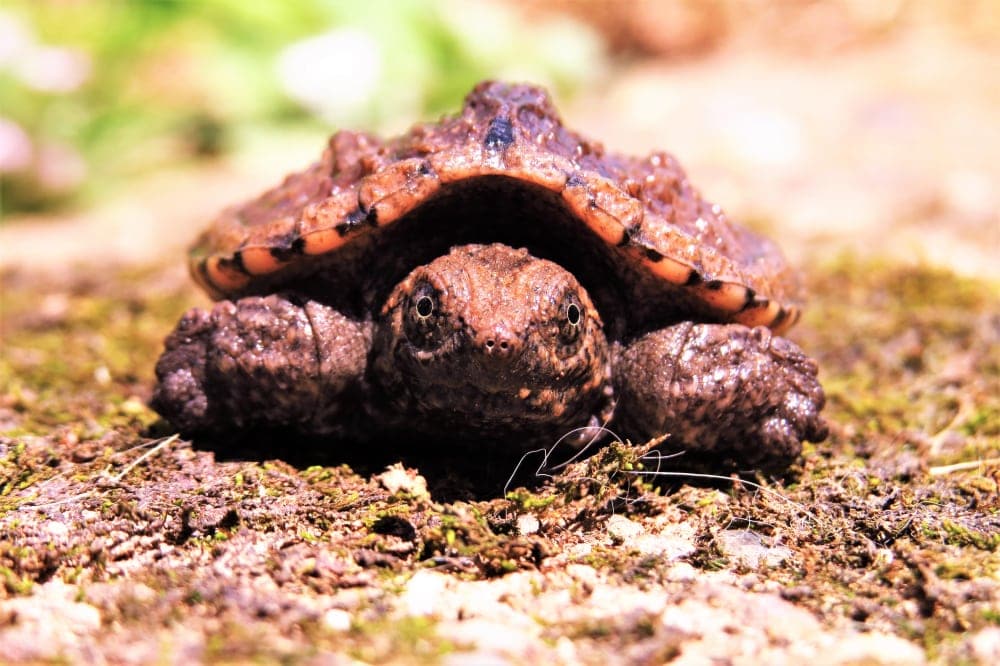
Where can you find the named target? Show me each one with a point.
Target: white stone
(495, 639)
(663, 546)
(875, 649)
(47, 625)
(583, 573)
(56, 528)
(424, 592)
(527, 524)
(337, 619)
(748, 549)
(682, 572)
(397, 479)
(622, 530)
(985, 645)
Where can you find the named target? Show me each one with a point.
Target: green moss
(907, 349)
(18, 585)
(74, 355)
(525, 500)
(955, 533)
(983, 421)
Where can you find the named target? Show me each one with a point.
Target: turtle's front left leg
(723, 390)
(267, 361)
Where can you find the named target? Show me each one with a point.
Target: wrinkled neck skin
(489, 341)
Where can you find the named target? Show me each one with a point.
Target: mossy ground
(893, 523)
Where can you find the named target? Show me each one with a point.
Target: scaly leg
(262, 361)
(727, 391)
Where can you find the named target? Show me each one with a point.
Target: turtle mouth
(499, 369)
(483, 409)
(482, 387)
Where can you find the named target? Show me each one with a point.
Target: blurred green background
(125, 124)
(95, 92)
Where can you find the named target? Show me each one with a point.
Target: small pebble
(621, 529)
(527, 524)
(337, 619)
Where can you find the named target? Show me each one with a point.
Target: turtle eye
(573, 314)
(424, 307)
(423, 319)
(571, 319)
(424, 301)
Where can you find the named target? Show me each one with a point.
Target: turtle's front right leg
(722, 391)
(262, 361)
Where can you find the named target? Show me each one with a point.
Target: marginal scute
(693, 278)
(259, 260)
(671, 270)
(285, 250)
(198, 271)
(357, 219)
(397, 189)
(455, 165)
(329, 212)
(275, 233)
(224, 276)
(729, 297)
(322, 241)
(619, 205)
(585, 193)
(759, 313)
(790, 318)
(317, 232)
(527, 163)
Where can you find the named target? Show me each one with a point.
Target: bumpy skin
(488, 342)
(491, 340)
(723, 390)
(459, 352)
(273, 361)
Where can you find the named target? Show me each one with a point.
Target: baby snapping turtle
(493, 276)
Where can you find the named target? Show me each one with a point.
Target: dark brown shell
(649, 217)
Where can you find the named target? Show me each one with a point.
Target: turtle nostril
(498, 342)
(499, 346)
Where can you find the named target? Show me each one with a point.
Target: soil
(122, 543)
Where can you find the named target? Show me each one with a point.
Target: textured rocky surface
(880, 547)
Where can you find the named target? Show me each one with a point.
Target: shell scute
(525, 162)
(224, 274)
(650, 218)
(325, 225)
(397, 189)
(606, 210)
(458, 165)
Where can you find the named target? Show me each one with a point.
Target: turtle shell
(506, 169)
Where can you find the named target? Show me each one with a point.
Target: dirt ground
(121, 543)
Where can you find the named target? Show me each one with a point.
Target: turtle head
(489, 338)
